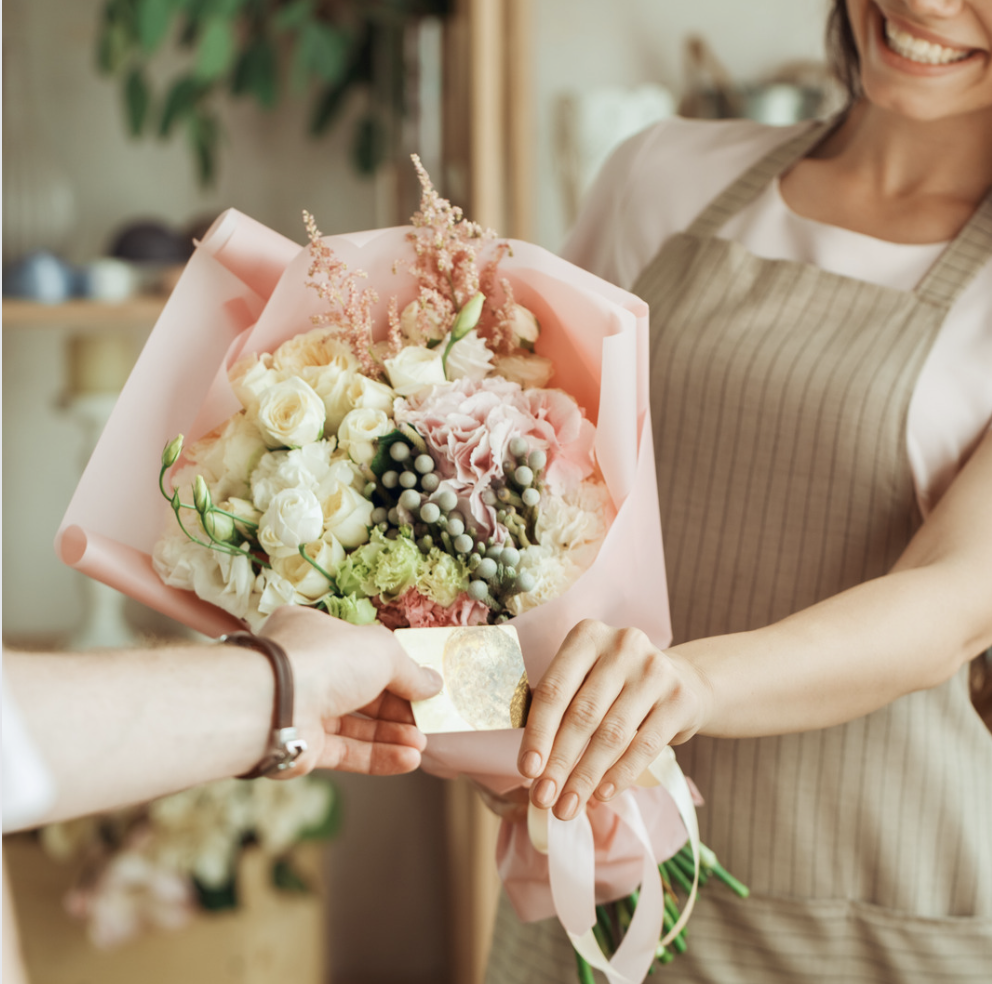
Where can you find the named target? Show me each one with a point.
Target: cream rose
(334, 387)
(421, 322)
(359, 432)
(470, 358)
(414, 369)
(302, 468)
(290, 414)
(314, 349)
(347, 515)
(294, 517)
(308, 583)
(529, 371)
(370, 394)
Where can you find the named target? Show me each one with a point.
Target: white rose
(250, 377)
(370, 394)
(524, 325)
(530, 371)
(421, 322)
(414, 369)
(290, 414)
(333, 386)
(347, 515)
(359, 432)
(308, 583)
(470, 357)
(302, 468)
(294, 517)
(553, 575)
(314, 349)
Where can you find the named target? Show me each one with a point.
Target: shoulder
(656, 182)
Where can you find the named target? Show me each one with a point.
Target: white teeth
(917, 50)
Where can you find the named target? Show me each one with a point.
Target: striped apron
(779, 402)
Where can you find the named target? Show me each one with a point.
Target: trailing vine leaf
(215, 49)
(179, 102)
(369, 148)
(256, 72)
(137, 98)
(204, 135)
(153, 18)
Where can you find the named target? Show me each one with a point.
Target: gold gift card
(485, 680)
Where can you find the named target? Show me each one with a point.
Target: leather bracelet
(284, 745)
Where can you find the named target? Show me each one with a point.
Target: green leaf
(216, 899)
(320, 51)
(382, 463)
(113, 44)
(369, 148)
(153, 19)
(327, 107)
(256, 72)
(286, 878)
(136, 99)
(215, 50)
(294, 15)
(181, 99)
(204, 135)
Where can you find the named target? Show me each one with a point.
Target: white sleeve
(28, 788)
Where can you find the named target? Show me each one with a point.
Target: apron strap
(753, 181)
(957, 265)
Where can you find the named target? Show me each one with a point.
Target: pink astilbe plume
(351, 308)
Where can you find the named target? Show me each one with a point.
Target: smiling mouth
(918, 50)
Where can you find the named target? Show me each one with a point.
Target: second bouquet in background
(428, 478)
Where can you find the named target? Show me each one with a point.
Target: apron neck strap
(960, 262)
(753, 181)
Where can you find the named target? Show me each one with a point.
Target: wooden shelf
(141, 310)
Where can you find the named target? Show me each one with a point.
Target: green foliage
(258, 50)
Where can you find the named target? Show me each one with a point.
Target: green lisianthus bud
(201, 496)
(219, 526)
(468, 317)
(170, 455)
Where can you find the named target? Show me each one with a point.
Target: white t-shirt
(28, 789)
(657, 182)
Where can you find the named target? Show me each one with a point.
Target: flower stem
(318, 568)
(585, 971)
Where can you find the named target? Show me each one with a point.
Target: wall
(579, 46)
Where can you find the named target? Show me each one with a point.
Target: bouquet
(426, 479)
(422, 427)
(155, 866)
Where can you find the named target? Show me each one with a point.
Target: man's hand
(353, 688)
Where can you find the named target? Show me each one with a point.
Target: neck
(903, 158)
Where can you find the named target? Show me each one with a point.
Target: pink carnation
(414, 610)
(469, 425)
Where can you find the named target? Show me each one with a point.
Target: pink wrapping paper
(244, 291)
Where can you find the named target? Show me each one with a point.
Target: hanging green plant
(260, 50)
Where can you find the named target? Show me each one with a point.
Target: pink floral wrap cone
(244, 291)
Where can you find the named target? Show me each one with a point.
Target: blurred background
(128, 126)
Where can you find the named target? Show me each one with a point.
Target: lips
(920, 50)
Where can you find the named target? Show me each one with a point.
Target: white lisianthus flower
(421, 323)
(291, 414)
(222, 579)
(359, 433)
(275, 592)
(414, 369)
(283, 810)
(524, 325)
(302, 468)
(345, 471)
(252, 376)
(308, 583)
(294, 517)
(347, 514)
(553, 575)
(370, 394)
(314, 350)
(226, 456)
(470, 358)
(529, 371)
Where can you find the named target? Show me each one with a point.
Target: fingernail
(437, 681)
(531, 764)
(567, 806)
(545, 792)
(606, 791)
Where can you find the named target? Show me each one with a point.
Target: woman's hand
(608, 704)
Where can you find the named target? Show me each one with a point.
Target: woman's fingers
(554, 693)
